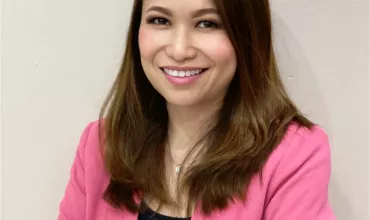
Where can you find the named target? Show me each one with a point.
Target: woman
(198, 125)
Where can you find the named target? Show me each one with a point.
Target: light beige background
(59, 59)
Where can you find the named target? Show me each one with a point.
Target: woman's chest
(252, 209)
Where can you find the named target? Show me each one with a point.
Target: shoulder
(90, 150)
(305, 145)
(301, 145)
(302, 149)
(302, 158)
(88, 178)
(89, 140)
(297, 176)
(304, 142)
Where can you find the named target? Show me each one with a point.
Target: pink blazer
(295, 183)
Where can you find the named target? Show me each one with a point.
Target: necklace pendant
(178, 168)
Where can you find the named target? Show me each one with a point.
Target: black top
(149, 214)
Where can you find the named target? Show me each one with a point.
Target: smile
(182, 73)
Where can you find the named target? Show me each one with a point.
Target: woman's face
(185, 52)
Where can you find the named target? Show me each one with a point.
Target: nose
(180, 48)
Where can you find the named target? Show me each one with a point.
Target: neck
(187, 125)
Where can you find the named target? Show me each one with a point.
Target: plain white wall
(59, 59)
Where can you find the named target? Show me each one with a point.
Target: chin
(182, 101)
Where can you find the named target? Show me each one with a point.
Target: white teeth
(178, 73)
(182, 73)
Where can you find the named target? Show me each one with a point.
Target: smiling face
(185, 52)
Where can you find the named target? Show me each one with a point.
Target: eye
(207, 24)
(158, 21)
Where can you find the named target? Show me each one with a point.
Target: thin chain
(178, 167)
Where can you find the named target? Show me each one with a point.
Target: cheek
(150, 42)
(220, 49)
(145, 43)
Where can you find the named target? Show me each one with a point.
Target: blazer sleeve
(73, 204)
(299, 188)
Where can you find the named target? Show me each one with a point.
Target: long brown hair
(254, 118)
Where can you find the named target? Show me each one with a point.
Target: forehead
(181, 5)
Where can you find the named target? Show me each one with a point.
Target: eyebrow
(195, 14)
